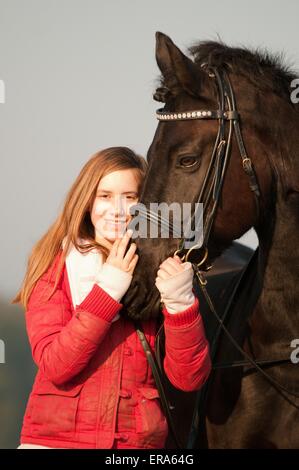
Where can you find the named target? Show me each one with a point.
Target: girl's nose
(119, 206)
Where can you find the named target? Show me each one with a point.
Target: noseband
(213, 181)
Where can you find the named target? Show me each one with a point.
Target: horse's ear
(177, 69)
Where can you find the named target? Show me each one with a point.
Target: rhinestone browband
(200, 114)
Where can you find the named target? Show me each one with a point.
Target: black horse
(248, 96)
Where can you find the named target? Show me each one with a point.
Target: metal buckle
(200, 277)
(247, 166)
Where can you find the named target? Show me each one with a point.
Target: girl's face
(116, 193)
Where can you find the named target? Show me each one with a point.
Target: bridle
(213, 181)
(210, 194)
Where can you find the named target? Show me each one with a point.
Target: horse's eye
(188, 161)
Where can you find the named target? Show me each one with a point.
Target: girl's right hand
(116, 273)
(117, 257)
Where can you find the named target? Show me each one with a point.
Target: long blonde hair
(74, 221)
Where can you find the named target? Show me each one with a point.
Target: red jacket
(94, 387)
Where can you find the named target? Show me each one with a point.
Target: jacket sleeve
(187, 362)
(61, 343)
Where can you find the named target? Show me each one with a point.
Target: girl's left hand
(170, 267)
(175, 282)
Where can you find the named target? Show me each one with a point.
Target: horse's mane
(267, 71)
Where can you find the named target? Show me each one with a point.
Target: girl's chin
(112, 236)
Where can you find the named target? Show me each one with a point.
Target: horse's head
(180, 155)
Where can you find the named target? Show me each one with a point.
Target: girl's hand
(170, 267)
(116, 273)
(117, 257)
(175, 282)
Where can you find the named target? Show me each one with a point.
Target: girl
(94, 387)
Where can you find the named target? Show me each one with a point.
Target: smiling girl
(94, 387)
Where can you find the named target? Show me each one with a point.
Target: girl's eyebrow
(110, 192)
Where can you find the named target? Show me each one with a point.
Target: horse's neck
(277, 307)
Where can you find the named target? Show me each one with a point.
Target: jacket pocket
(150, 418)
(54, 409)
